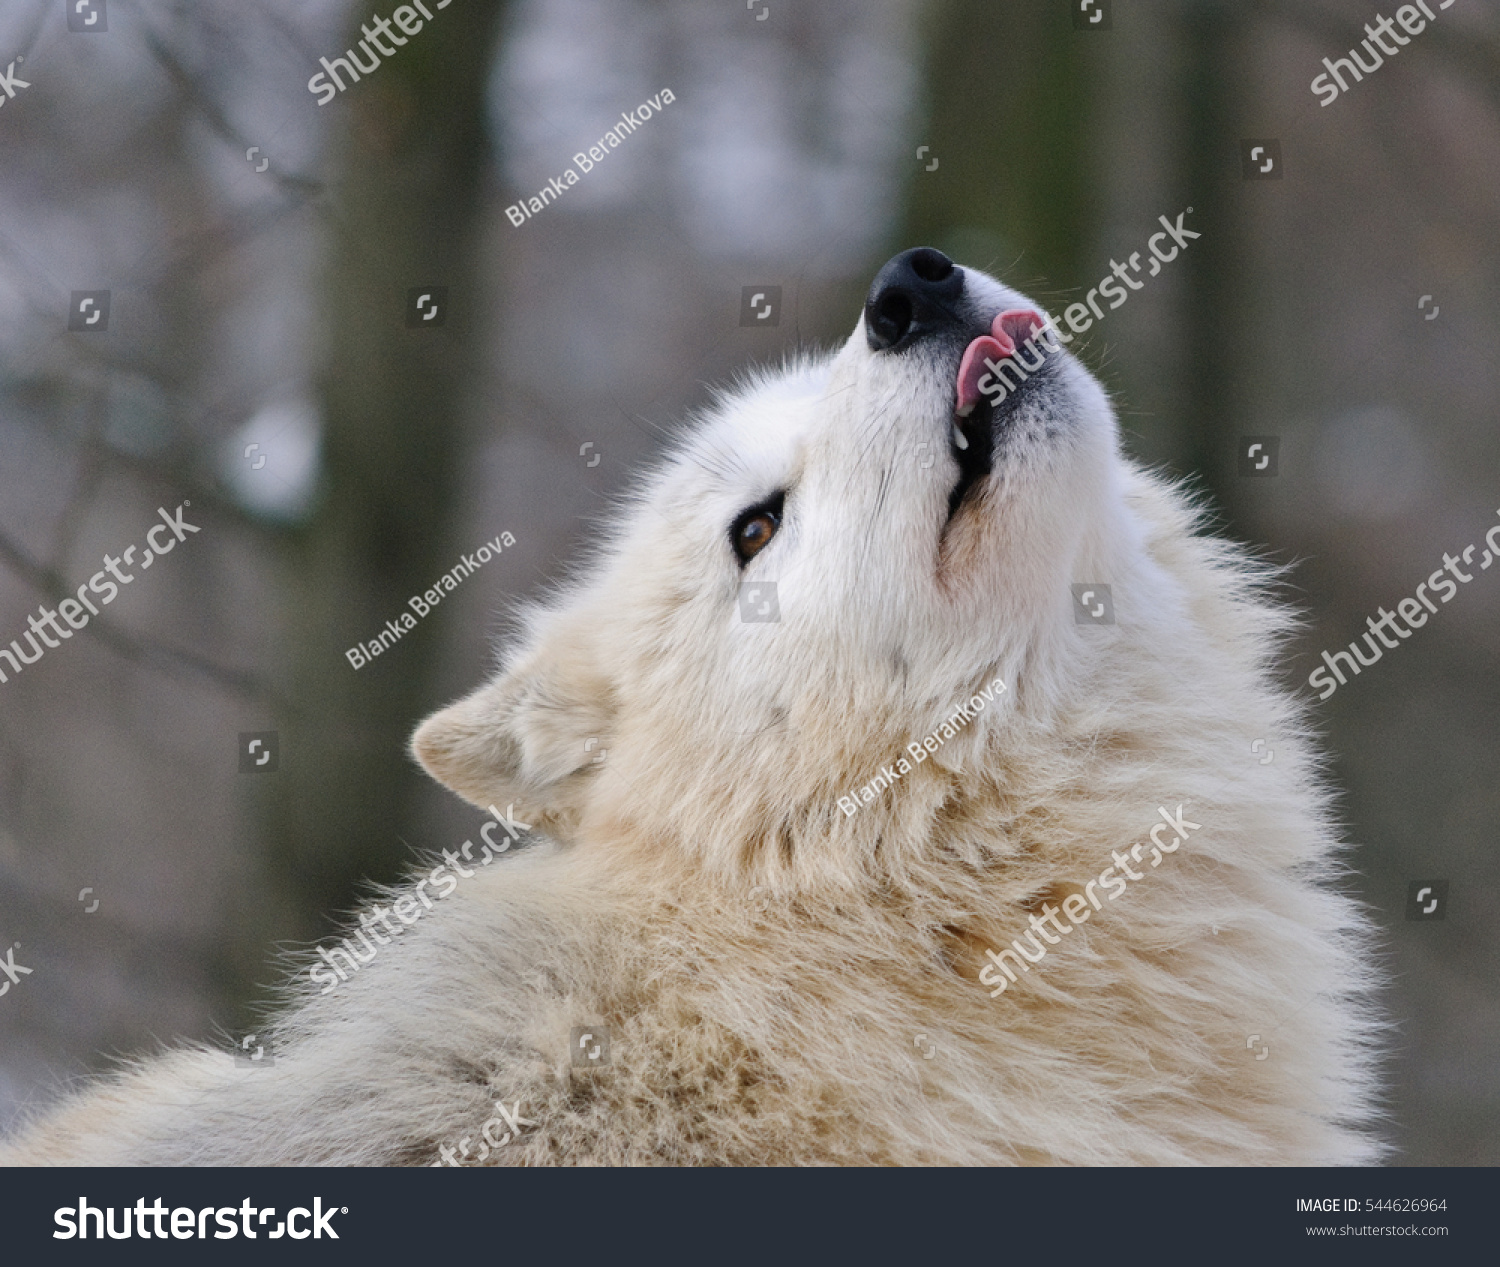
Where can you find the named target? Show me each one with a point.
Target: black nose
(915, 293)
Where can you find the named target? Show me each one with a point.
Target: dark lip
(977, 461)
(983, 428)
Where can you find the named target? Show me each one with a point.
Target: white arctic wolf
(812, 886)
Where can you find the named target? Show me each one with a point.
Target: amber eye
(753, 530)
(754, 534)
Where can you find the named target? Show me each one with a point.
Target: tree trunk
(406, 216)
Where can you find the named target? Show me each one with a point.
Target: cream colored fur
(785, 983)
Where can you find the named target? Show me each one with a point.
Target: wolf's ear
(528, 737)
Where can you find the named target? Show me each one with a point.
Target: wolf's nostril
(930, 265)
(915, 293)
(890, 318)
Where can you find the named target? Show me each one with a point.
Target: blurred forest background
(260, 251)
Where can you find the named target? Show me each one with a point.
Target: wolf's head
(840, 554)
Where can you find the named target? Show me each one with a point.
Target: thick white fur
(785, 983)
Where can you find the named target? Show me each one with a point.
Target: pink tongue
(972, 368)
(1007, 330)
(1019, 323)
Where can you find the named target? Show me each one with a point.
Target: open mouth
(990, 377)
